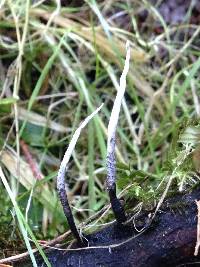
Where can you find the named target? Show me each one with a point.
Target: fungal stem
(112, 126)
(117, 207)
(61, 184)
(67, 210)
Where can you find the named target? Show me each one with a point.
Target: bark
(168, 241)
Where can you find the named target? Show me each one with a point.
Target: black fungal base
(169, 241)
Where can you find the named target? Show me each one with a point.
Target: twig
(111, 163)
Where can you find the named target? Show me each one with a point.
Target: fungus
(116, 205)
(61, 180)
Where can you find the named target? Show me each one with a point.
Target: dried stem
(32, 163)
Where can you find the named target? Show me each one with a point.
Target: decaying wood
(168, 241)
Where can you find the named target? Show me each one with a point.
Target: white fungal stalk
(61, 177)
(112, 126)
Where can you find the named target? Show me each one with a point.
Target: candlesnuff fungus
(111, 163)
(66, 207)
(117, 207)
(61, 180)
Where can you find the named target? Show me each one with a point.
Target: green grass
(56, 68)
